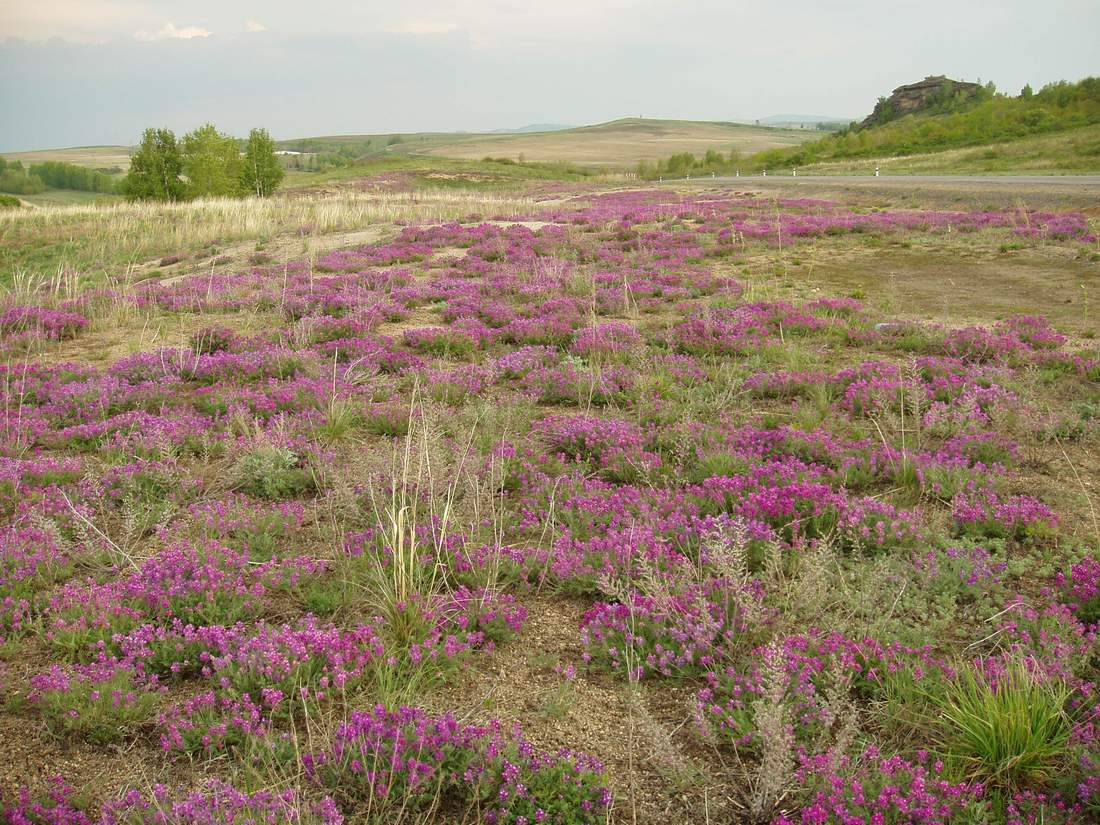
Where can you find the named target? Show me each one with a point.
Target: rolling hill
(1057, 124)
(619, 143)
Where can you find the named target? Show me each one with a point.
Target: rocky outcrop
(916, 97)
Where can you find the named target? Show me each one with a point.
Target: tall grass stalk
(413, 519)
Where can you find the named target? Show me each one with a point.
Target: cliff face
(917, 96)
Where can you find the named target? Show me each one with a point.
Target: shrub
(388, 765)
(100, 701)
(251, 527)
(285, 668)
(41, 322)
(272, 472)
(881, 790)
(58, 806)
(387, 419)
(1081, 589)
(209, 724)
(219, 804)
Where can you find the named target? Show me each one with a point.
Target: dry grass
(97, 157)
(109, 238)
(622, 143)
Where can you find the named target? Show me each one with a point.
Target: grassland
(429, 172)
(69, 197)
(687, 478)
(96, 157)
(621, 143)
(701, 481)
(1072, 152)
(95, 242)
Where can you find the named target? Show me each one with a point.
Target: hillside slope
(618, 144)
(982, 121)
(621, 143)
(1072, 152)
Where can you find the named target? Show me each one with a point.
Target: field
(620, 143)
(97, 157)
(520, 501)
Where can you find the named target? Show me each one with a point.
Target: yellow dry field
(623, 143)
(96, 157)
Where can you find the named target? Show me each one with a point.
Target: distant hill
(95, 157)
(797, 120)
(534, 127)
(616, 144)
(937, 115)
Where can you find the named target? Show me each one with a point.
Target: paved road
(1008, 180)
(1039, 191)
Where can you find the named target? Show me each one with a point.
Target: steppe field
(583, 501)
(618, 144)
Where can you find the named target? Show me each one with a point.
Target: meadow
(571, 504)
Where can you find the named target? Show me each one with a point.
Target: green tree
(155, 168)
(14, 179)
(261, 172)
(59, 175)
(212, 163)
(1026, 92)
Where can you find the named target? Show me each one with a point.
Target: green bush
(272, 472)
(101, 708)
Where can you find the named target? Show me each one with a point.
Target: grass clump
(1010, 730)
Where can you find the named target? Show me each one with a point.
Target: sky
(89, 72)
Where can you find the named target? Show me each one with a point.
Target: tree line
(15, 180)
(205, 163)
(59, 175)
(19, 180)
(685, 163)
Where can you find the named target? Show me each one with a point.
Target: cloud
(423, 27)
(81, 21)
(169, 31)
(254, 26)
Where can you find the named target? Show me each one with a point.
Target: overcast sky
(82, 72)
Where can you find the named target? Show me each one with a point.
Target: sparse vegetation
(567, 503)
